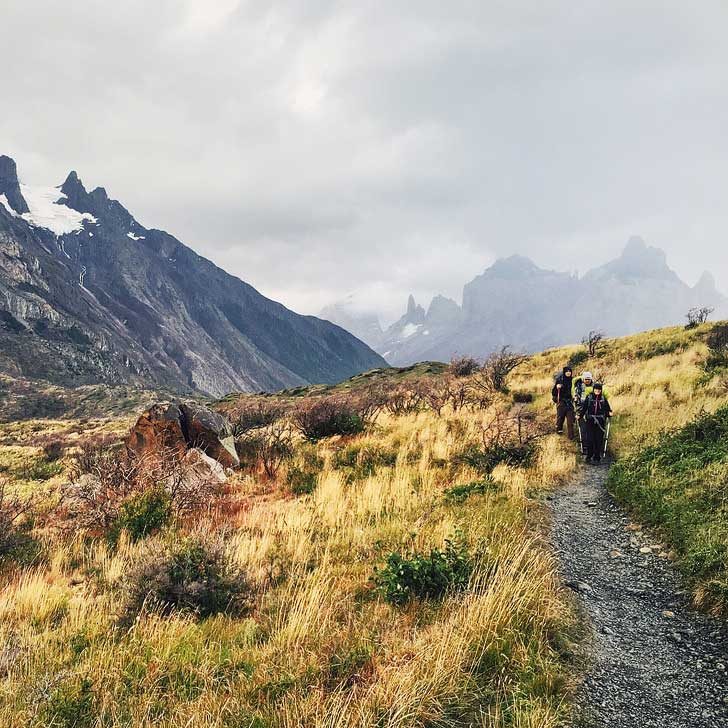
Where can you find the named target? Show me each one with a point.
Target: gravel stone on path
(654, 661)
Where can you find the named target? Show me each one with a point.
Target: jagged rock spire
(9, 185)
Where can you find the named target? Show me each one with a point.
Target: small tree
(493, 376)
(404, 400)
(328, 416)
(697, 315)
(255, 412)
(463, 366)
(270, 446)
(594, 342)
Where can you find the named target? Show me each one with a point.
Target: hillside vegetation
(669, 390)
(378, 559)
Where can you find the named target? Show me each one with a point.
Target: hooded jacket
(565, 393)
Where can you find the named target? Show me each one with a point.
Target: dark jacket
(565, 393)
(595, 407)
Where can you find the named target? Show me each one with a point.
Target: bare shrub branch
(594, 342)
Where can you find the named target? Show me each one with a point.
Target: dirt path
(655, 662)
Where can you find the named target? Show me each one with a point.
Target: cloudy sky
(318, 148)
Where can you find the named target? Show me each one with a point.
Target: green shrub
(192, 576)
(326, 417)
(577, 358)
(424, 576)
(485, 460)
(70, 705)
(364, 458)
(659, 348)
(346, 666)
(143, 514)
(301, 481)
(460, 493)
(717, 341)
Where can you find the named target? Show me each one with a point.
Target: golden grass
(321, 649)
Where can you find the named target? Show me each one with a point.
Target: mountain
(517, 303)
(89, 295)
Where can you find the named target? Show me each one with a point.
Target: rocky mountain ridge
(88, 294)
(515, 302)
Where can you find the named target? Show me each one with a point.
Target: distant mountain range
(89, 295)
(517, 303)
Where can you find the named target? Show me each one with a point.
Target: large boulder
(211, 433)
(181, 427)
(158, 429)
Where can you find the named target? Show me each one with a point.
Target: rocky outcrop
(182, 427)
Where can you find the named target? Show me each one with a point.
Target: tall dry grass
(321, 648)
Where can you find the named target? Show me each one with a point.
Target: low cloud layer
(319, 148)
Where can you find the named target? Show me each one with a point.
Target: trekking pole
(581, 443)
(606, 436)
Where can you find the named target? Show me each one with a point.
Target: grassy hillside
(397, 575)
(669, 391)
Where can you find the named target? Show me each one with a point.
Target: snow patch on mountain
(6, 204)
(410, 330)
(134, 237)
(47, 212)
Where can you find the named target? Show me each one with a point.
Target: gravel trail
(653, 660)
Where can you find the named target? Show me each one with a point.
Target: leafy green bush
(485, 460)
(143, 514)
(460, 493)
(192, 575)
(424, 576)
(680, 483)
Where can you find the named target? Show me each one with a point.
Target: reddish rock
(158, 429)
(181, 427)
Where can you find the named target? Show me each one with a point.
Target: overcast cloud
(317, 148)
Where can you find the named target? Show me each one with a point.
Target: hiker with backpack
(563, 397)
(595, 411)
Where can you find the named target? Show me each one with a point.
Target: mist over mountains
(515, 302)
(88, 295)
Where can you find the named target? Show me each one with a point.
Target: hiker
(582, 387)
(595, 410)
(563, 398)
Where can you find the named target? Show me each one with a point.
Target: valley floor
(653, 661)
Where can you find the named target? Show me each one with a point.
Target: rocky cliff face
(88, 295)
(517, 303)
